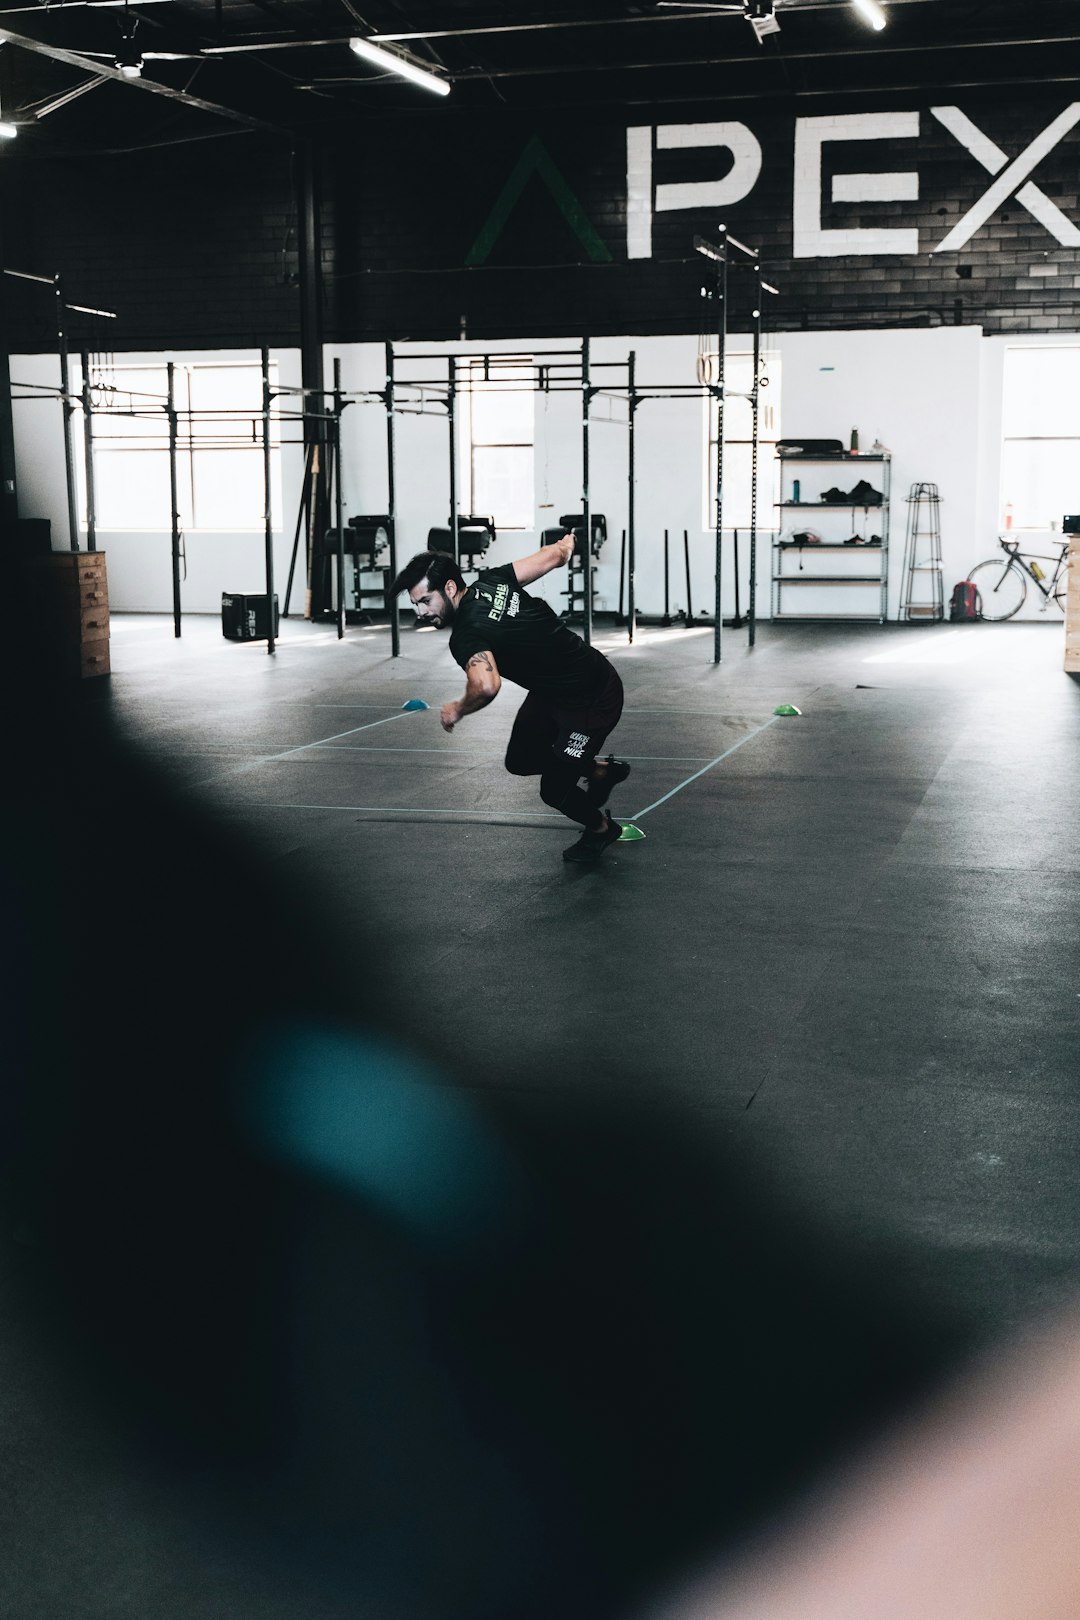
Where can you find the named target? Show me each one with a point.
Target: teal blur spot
(367, 1115)
(414, 703)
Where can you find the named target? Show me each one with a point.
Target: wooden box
(68, 611)
(1072, 609)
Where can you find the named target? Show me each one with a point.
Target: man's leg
(538, 747)
(607, 773)
(576, 783)
(599, 777)
(528, 753)
(559, 787)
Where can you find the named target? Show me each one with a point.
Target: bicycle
(1003, 585)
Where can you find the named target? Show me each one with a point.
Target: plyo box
(246, 618)
(68, 603)
(1072, 609)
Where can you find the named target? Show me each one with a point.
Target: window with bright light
(1040, 451)
(738, 442)
(219, 463)
(497, 439)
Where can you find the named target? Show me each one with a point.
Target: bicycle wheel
(1001, 587)
(1061, 590)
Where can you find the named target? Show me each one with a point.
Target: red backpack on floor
(965, 602)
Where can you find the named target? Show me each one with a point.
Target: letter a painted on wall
(536, 159)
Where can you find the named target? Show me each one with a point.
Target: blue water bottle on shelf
(795, 491)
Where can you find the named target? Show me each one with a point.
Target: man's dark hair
(437, 567)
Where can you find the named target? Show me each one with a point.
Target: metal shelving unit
(853, 577)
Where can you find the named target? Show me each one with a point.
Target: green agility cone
(787, 708)
(629, 834)
(414, 703)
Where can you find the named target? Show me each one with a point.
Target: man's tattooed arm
(482, 683)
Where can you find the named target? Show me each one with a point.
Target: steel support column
(631, 607)
(395, 628)
(67, 408)
(718, 391)
(174, 503)
(586, 556)
(88, 454)
(339, 505)
(309, 251)
(268, 514)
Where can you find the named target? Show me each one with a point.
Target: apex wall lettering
(503, 224)
(812, 187)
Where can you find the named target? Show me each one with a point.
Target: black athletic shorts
(573, 735)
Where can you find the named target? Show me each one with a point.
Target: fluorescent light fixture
(870, 12)
(393, 63)
(7, 131)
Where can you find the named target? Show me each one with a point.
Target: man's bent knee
(557, 784)
(522, 763)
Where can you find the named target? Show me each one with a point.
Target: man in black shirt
(574, 697)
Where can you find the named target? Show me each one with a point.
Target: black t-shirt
(532, 646)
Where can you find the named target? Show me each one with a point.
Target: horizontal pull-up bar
(51, 281)
(474, 354)
(711, 250)
(751, 253)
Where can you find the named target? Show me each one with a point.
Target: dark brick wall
(423, 201)
(195, 245)
(192, 246)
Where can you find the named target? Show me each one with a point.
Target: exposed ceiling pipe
(726, 61)
(689, 15)
(99, 70)
(54, 104)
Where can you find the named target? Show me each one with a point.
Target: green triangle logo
(536, 159)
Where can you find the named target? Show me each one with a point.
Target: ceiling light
(399, 64)
(128, 57)
(7, 131)
(870, 12)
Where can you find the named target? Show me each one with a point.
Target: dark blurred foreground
(451, 1354)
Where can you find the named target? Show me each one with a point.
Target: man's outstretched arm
(482, 683)
(541, 562)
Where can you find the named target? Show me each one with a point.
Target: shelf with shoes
(808, 579)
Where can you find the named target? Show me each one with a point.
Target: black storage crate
(245, 618)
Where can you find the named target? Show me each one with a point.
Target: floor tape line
(454, 754)
(321, 742)
(706, 768)
(413, 810)
(269, 759)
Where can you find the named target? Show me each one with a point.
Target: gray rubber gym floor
(847, 942)
(847, 947)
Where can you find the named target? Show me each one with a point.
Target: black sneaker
(865, 494)
(591, 845)
(600, 787)
(836, 497)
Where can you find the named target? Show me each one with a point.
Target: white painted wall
(669, 450)
(140, 563)
(932, 396)
(919, 393)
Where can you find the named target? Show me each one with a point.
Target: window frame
(469, 385)
(1008, 519)
(189, 447)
